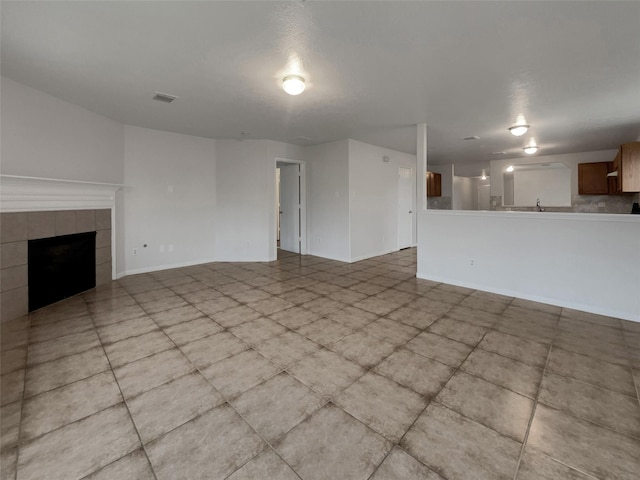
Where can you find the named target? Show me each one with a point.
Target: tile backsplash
(439, 203)
(580, 204)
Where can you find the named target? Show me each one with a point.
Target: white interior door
(405, 207)
(290, 207)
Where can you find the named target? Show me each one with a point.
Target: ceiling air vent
(164, 97)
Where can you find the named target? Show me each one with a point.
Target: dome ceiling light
(293, 84)
(518, 130)
(531, 148)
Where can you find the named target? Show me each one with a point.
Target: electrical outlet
(135, 251)
(471, 263)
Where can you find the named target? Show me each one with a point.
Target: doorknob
(410, 211)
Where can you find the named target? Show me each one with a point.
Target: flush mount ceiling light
(531, 149)
(510, 168)
(484, 175)
(293, 84)
(518, 130)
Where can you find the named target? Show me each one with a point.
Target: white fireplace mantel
(35, 194)
(30, 194)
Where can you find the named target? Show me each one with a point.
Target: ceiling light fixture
(510, 168)
(531, 149)
(293, 84)
(518, 130)
(484, 175)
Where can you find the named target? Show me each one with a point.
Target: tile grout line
(633, 377)
(329, 401)
(431, 400)
(535, 405)
(226, 401)
(22, 400)
(126, 405)
(600, 360)
(326, 270)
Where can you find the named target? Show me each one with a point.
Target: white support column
(421, 167)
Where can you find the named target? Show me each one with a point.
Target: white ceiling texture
(373, 69)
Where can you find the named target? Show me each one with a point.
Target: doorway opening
(405, 207)
(290, 207)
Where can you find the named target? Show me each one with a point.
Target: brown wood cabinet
(593, 179)
(627, 165)
(434, 184)
(596, 179)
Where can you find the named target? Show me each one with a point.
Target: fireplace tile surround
(17, 228)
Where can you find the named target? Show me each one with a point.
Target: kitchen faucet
(540, 209)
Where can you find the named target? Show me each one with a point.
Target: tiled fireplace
(17, 228)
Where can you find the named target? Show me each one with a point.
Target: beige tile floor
(307, 368)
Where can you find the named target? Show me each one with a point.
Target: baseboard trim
(158, 268)
(536, 298)
(366, 257)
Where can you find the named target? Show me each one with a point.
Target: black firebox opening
(60, 267)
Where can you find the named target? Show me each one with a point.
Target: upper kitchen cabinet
(434, 184)
(593, 178)
(626, 168)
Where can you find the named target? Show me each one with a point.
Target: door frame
(413, 208)
(303, 206)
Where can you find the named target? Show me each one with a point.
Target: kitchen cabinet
(593, 178)
(434, 184)
(626, 167)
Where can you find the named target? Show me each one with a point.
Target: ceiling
(373, 70)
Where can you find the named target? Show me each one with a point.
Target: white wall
(571, 160)
(170, 199)
(373, 203)
(464, 193)
(588, 262)
(243, 177)
(246, 196)
(328, 200)
(43, 136)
